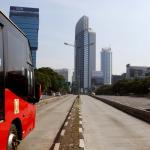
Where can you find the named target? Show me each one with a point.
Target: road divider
(70, 135)
(138, 113)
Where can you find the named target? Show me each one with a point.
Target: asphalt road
(106, 128)
(50, 116)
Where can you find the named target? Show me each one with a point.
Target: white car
(53, 94)
(93, 93)
(57, 94)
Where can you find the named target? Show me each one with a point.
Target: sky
(124, 25)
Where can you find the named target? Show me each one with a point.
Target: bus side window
(17, 83)
(29, 76)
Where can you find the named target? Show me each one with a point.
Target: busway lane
(106, 128)
(48, 122)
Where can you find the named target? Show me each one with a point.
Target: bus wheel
(13, 138)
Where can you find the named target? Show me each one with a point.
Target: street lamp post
(69, 44)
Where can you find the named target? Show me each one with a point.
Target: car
(53, 94)
(57, 94)
(93, 94)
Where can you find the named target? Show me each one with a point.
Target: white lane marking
(81, 143)
(62, 132)
(57, 145)
(80, 130)
(66, 123)
(80, 122)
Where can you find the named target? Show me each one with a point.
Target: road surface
(106, 128)
(50, 117)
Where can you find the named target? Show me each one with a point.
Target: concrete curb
(81, 139)
(138, 113)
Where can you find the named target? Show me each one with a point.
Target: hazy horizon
(122, 25)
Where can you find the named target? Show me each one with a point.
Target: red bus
(18, 93)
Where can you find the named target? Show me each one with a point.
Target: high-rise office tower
(92, 55)
(27, 19)
(85, 41)
(106, 64)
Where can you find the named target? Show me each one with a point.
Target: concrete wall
(138, 113)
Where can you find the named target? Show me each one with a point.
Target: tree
(139, 87)
(50, 80)
(104, 90)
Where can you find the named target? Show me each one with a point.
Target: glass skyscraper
(106, 64)
(92, 55)
(27, 19)
(84, 54)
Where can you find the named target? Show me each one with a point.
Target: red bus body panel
(25, 113)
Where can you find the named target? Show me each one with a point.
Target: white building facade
(133, 72)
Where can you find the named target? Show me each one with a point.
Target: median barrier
(138, 113)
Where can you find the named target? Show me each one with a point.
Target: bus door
(1, 75)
